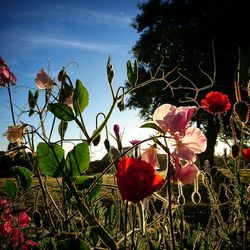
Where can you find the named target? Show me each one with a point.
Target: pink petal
(172, 119)
(187, 173)
(160, 114)
(195, 140)
(150, 156)
(185, 153)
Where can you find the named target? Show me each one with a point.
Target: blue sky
(86, 32)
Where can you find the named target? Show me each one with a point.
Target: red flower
(136, 179)
(246, 153)
(215, 102)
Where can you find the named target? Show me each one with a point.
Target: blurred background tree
(181, 32)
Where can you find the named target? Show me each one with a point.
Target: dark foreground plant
(130, 205)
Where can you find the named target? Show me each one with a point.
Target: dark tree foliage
(182, 31)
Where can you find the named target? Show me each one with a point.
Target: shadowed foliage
(182, 32)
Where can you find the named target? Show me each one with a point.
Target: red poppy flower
(136, 179)
(246, 153)
(216, 102)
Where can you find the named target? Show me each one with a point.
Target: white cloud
(71, 13)
(77, 44)
(30, 40)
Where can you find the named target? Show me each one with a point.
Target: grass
(194, 213)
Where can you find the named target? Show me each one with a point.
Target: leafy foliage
(181, 33)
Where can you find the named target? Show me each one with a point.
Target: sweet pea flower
(216, 102)
(23, 219)
(172, 119)
(185, 174)
(15, 133)
(43, 81)
(5, 74)
(17, 237)
(187, 146)
(30, 243)
(149, 155)
(136, 179)
(116, 130)
(134, 142)
(5, 229)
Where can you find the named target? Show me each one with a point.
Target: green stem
(125, 222)
(45, 199)
(102, 125)
(90, 218)
(133, 226)
(170, 204)
(11, 104)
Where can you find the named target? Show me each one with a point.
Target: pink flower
(7, 214)
(6, 229)
(193, 142)
(116, 130)
(29, 243)
(150, 156)
(134, 142)
(173, 120)
(5, 74)
(43, 81)
(186, 174)
(17, 237)
(3, 202)
(23, 219)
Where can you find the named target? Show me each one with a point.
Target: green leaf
(80, 98)
(24, 175)
(62, 128)
(85, 181)
(36, 95)
(49, 243)
(72, 243)
(132, 73)
(96, 190)
(78, 159)
(153, 126)
(61, 111)
(50, 159)
(32, 99)
(10, 188)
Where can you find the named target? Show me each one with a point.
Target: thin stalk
(170, 206)
(90, 218)
(125, 226)
(133, 226)
(102, 125)
(11, 104)
(45, 199)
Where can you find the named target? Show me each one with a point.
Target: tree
(182, 31)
